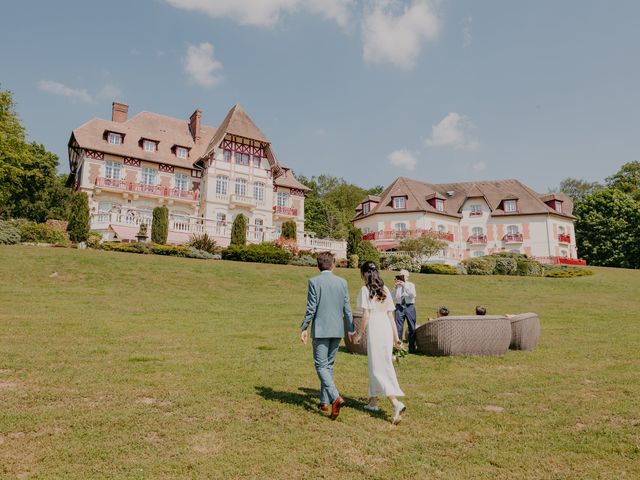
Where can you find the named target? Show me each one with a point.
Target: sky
(367, 90)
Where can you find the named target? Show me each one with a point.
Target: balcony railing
(512, 238)
(564, 238)
(402, 234)
(477, 240)
(244, 200)
(285, 211)
(561, 261)
(147, 189)
(475, 213)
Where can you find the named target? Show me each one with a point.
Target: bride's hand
(397, 343)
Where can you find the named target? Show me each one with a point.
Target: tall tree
(239, 230)
(78, 226)
(627, 179)
(160, 225)
(579, 189)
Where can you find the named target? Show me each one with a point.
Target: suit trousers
(324, 355)
(408, 312)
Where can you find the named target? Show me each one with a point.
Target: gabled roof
(237, 122)
(456, 194)
(167, 131)
(286, 179)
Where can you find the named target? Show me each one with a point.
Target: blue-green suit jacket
(328, 307)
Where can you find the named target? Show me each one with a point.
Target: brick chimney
(194, 125)
(119, 112)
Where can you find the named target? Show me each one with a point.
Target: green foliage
(160, 225)
(32, 232)
(422, 248)
(158, 249)
(399, 262)
(368, 253)
(171, 250)
(608, 229)
(354, 239)
(578, 189)
(529, 268)
(505, 266)
(354, 261)
(304, 261)
(94, 239)
(205, 243)
(564, 271)
(239, 230)
(480, 265)
(201, 254)
(9, 234)
(78, 226)
(289, 230)
(627, 180)
(259, 253)
(438, 268)
(136, 247)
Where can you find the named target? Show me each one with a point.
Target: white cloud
(454, 130)
(201, 66)
(466, 31)
(402, 159)
(64, 91)
(111, 92)
(266, 13)
(398, 38)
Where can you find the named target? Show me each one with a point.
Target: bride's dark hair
(373, 281)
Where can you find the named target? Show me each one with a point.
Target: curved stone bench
(465, 335)
(525, 331)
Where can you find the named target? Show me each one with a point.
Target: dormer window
(149, 145)
(182, 152)
(558, 206)
(365, 208)
(510, 205)
(114, 138)
(439, 204)
(399, 203)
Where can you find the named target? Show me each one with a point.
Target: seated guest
(480, 310)
(441, 312)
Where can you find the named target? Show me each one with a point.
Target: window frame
(222, 185)
(240, 187)
(512, 202)
(280, 202)
(439, 204)
(258, 191)
(365, 208)
(110, 167)
(400, 227)
(114, 135)
(399, 203)
(149, 143)
(147, 175)
(180, 180)
(182, 149)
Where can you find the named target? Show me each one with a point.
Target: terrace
(143, 188)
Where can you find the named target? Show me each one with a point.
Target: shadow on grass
(308, 398)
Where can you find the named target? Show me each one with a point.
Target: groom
(327, 305)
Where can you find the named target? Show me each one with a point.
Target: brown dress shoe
(335, 408)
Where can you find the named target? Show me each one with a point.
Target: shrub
(239, 230)
(205, 243)
(529, 268)
(515, 255)
(9, 234)
(126, 247)
(368, 253)
(171, 250)
(201, 254)
(438, 268)
(160, 225)
(304, 261)
(39, 233)
(354, 239)
(399, 262)
(480, 265)
(289, 230)
(505, 265)
(78, 226)
(354, 261)
(566, 271)
(289, 245)
(260, 253)
(94, 239)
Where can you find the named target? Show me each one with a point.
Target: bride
(379, 323)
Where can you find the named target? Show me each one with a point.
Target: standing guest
(480, 310)
(404, 295)
(328, 309)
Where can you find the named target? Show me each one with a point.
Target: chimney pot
(119, 112)
(194, 125)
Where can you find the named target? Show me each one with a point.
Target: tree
(160, 225)
(289, 230)
(608, 229)
(353, 241)
(368, 253)
(578, 189)
(627, 179)
(239, 230)
(422, 248)
(78, 226)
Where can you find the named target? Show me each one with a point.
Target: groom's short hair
(325, 261)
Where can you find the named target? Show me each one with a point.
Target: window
(258, 192)
(442, 229)
(221, 218)
(512, 230)
(181, 181)
(241, 187)
(259, 224)
(401, 227)
(510, 205)
(222, 183)
(257, 161)
(366, 230)
(476, 211)
(478, 253)
(365, 208)
(242, 159)
(114, 138)
(399, 202)
(112, 169)
(107, 206)
(558, 206)
(182, 152)
(148, 176)
(283, 199)
(439, 204)
(564, 253)
(226, 155)
(561, 230)
(477, 231)
(149, 146)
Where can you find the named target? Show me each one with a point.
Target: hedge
(39, 233)
(480, 265)
(505, 266)
(567, 272)
(258, 253)
(9, 233)
(156, 249)
(438, 269)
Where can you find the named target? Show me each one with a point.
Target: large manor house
(206, 176)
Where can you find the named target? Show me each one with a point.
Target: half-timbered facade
(206, 176)
(474, 219)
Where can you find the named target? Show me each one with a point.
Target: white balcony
(243, 201)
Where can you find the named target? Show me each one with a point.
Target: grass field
(140, 366)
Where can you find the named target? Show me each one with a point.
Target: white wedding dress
(382, 376)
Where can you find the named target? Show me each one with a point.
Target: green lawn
(132, 366)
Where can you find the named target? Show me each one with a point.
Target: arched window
(222, 184)
(241, 187)
(512, 230)
(477, 231)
